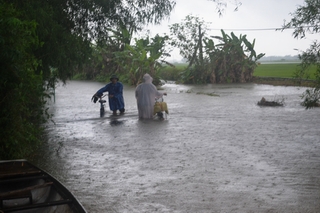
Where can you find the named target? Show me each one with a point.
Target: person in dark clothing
(115, 95)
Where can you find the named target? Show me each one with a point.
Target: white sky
(252, 14)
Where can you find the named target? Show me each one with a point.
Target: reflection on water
(116, 122)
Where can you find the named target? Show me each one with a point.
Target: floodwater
(214, 153)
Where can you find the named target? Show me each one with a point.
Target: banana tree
(233, 59)
(145, 56)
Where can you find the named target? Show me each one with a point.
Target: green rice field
(273, 70)
(277, 70)
(281, 70)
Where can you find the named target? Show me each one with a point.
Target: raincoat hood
(147, 78)
(146, 93)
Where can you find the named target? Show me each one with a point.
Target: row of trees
(130, 62)
(212, 59)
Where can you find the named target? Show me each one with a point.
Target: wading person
(146, 93)
(115, 95)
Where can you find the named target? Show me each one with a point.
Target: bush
(21, 90)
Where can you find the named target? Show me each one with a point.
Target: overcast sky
(252, 14)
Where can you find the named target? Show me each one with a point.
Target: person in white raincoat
(146, 93)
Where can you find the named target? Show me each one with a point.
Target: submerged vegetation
(274, 103)
(208, 93)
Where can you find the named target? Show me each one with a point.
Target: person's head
(114, 79)
(147, 78)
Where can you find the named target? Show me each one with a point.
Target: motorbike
(102, 102)
(160, 109)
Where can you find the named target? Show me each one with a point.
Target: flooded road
(214, 153)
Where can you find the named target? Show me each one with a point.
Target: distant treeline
(279, 58)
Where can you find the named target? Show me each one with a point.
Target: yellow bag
(159, 107)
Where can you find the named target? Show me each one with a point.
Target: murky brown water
(213, 154)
